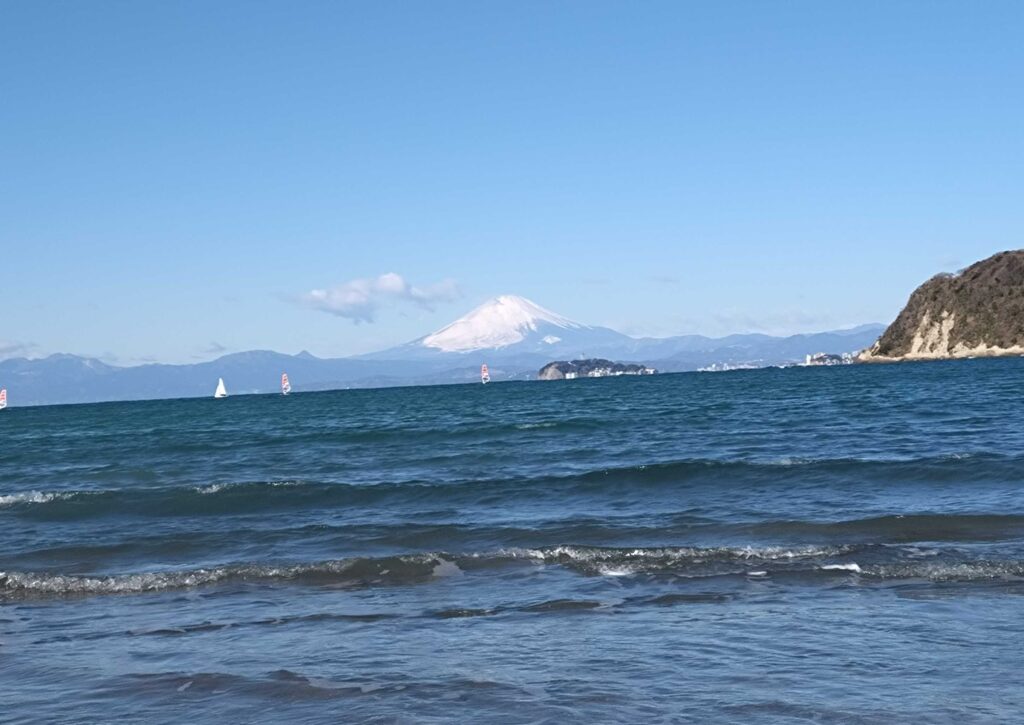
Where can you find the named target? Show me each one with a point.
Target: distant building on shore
(828, 358)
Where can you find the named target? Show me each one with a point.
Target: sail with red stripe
(286, 387)
(485, 375)
(3, 398)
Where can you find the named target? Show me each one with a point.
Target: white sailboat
(485, 375)
(222, 392)
(3, 398)
(286, 387)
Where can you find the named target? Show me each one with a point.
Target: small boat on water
(3, 398)
(485, 375)
(221, 391)
(286, 387)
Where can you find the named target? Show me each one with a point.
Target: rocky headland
(978, 312)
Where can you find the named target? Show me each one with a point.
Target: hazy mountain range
(513, 335)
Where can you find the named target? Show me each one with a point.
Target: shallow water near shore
(776, 546)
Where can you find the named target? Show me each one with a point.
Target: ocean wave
(352, 572)
(221, 498)
(225, 497)
(964, 466)
(672, 562)
(694, 563)
(686, 561)
(898, 528)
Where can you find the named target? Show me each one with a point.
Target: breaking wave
(673, 562)
(341, 572)
(33, 497)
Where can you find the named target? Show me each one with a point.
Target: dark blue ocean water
(778, 546)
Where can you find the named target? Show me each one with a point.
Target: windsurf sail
(3, 398)
(485, 375)
(286, 387)
(222, 392)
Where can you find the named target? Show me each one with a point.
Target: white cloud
(666, 279)
(779, 322)
(360, 299)
(10, 348)
(213, 350)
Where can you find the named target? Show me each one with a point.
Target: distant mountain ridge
(978, 312)
(513, 335)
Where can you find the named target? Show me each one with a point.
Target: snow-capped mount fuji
(511, 327)
(500, 322)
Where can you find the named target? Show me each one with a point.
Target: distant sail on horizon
(485, 374)
(3, 398)
(286, 387)
(222, 392)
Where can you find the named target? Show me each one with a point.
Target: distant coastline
(512, 335)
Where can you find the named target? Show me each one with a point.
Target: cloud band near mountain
(360, 299)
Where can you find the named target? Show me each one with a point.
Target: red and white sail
(286, 387)
(3, 398)
(485, 375)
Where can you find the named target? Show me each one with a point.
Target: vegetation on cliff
(978, 311)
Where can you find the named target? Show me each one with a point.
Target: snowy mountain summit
(501, 322)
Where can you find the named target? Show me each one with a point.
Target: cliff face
(978, 312)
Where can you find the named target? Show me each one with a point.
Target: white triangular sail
(222, 392)
(286, 387)
(485, 374)
(3, 398)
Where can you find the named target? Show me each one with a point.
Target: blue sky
(177, 179)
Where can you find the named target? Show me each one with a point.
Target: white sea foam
(782, 552)
(446, 568)
(615, 570)
(212, 488)
(218, 487)
(128, 583)
(964, 571)
(793, 462)
(919, 552)
(409, 567)
(854, 567)
(31, 497)
(683, 553)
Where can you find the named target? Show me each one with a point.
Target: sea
(801, 545)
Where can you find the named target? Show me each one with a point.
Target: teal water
(774, 546)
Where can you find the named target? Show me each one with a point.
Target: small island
(590, 368)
